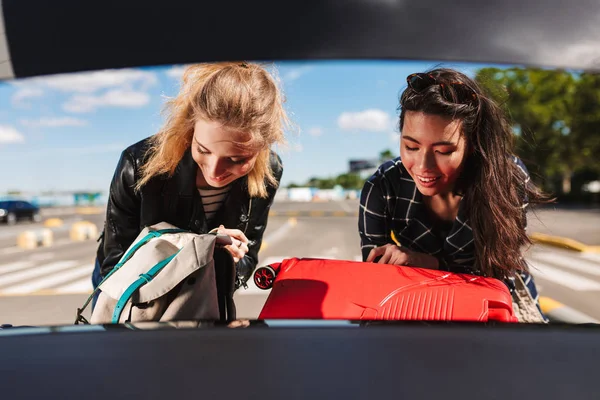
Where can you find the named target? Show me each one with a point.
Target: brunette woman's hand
(396, 255)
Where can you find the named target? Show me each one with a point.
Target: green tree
(553, 113)
(585, 124)
(349, 181)
(386, 155)
(313, 182)
(326, 183)
(321, 183)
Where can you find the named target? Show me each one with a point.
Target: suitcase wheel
(264, 277)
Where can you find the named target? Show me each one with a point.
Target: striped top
(213, 199)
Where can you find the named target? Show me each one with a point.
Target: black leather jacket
(176, 200)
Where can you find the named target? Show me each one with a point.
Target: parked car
(12, 211)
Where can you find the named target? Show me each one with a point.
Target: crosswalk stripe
(50, 281)
(591, 256)
(563, 278)
(42, 256)
(70, 276)
(81, 286)
(6, 268)
(571, 262)
(35, 272)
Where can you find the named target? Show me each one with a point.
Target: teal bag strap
(139, 244)
(80, 318)
(143, 279)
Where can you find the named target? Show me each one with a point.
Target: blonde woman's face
(220, 159)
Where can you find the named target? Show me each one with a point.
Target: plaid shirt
(390, 201)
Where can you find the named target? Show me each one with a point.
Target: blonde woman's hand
(239, 247)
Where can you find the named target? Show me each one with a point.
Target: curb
(562, 242)
(313, 213)
(82, 231)
(44, 237)
(558, 312)
(35, 238)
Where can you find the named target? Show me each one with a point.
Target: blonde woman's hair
(241, 96)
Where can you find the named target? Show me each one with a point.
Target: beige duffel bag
(168, 274)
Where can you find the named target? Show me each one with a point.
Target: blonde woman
(210, 166)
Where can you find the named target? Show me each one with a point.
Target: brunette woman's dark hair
(495, 188)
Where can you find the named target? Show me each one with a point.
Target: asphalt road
(580, 225)
(44, 286)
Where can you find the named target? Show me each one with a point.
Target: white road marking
(52, 280)
(34, 272)
(15, 266)
(574, 262)
(280, 232)
(345, 206)
(563, 278)
(332, 252)
(81, 286)
(42, 256)
(20, 278)
(591, 256)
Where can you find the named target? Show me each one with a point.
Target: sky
(66, 132)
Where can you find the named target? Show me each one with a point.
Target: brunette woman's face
(433, 151)
(219, 155)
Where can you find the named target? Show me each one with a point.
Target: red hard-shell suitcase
(340, 289)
